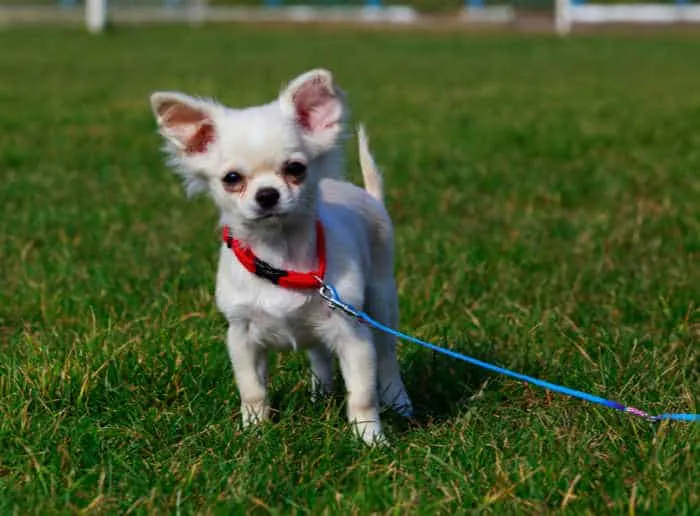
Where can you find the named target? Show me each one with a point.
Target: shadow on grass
(439, 386)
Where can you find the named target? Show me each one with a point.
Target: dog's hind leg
(382, 305)
(321, 361)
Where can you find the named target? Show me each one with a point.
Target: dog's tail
(370, 172)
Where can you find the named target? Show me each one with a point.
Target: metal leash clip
(330, 296)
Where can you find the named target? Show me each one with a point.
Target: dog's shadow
(440, 387)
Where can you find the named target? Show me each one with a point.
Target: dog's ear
(184, 121)
(316, 105)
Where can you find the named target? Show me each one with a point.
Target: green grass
(547, 207)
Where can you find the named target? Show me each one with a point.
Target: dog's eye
(294, 169)
(232, 179)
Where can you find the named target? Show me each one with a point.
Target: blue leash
(330, 294)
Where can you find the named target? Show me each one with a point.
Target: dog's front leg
(358, 364)
(249, 361)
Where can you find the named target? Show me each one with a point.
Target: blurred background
(541, 161)
(559, 15)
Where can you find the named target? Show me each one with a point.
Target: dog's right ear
(184, 121)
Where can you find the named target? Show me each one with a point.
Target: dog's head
(260, 164)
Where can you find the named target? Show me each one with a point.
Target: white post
(562, 16)
(198, 12)
(95, 15)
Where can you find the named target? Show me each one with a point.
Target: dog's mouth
(270, 216)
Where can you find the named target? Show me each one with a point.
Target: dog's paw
(397, 401)
(320, 390)
(254, 413)
(370, 432)
(405, 410)
(319, 396)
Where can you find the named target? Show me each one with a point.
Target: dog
(291, 224)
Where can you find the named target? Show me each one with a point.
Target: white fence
(95, 14)
(572, 12)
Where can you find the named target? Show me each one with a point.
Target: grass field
(547, 205)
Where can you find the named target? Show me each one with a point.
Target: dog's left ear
(316, 105)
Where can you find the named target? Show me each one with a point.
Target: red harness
(283, 278)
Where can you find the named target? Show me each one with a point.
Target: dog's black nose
(267, 197)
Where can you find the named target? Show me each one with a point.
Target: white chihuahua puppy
(291, 225)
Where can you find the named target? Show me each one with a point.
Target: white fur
(304, 124)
